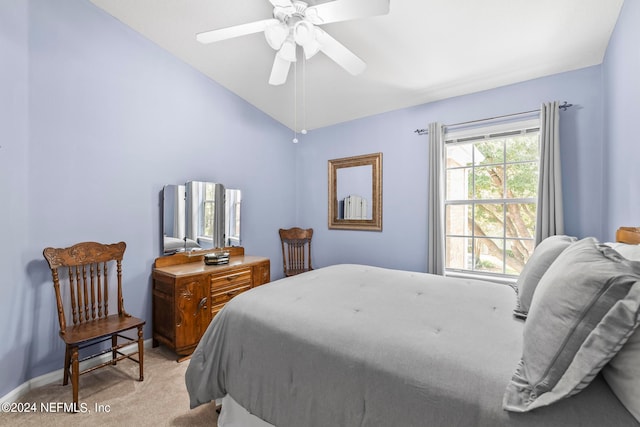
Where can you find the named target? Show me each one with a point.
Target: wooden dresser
(187, 294)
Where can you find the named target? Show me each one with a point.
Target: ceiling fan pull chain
(295, 102)
(304, 96)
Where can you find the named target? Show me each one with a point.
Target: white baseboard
(57, 375)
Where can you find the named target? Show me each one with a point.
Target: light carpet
(113, 396)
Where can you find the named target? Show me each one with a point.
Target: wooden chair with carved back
(296, 250)
(87, 268)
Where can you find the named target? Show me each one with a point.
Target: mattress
(354, 345)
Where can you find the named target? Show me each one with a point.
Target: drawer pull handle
(231, 294)
(201, 305)
(234, 277)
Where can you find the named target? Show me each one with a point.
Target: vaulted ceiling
(421, 51)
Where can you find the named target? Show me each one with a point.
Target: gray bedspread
(353, 345)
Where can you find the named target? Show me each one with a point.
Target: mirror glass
(173, 218)
(233, 201)
(200, 215)
(355, 193)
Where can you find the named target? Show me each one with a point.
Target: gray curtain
(549, 220)
(435, 227)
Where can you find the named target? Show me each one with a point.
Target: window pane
(489, 220)
(458, 253)
(521, 220)
(523, 148)
(518, 252)
(459, 155)
(458, 184)
(457, 219)
(489, 152)
(488, 255)
(522, 180)
(489, 182)
(207, 220)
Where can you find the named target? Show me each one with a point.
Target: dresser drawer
(223, 295)
(236, 278)
(226, 285)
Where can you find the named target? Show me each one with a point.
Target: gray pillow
(622, 374)
(627, 250)
(543, 256)
(586, 306)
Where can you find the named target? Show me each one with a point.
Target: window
(490, 198)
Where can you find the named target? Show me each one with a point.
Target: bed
(355, 345)
(171, 245)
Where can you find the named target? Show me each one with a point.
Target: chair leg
(114, 353)
(141, 352)
(67, 364)
(75, 374)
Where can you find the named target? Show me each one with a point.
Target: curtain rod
(563, 107)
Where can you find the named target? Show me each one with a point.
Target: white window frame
(476, 134)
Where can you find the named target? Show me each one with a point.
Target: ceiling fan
(295, 23)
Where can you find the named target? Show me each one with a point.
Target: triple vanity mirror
(200, 215)
(355, 193)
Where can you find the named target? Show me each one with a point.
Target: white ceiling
(422, 51)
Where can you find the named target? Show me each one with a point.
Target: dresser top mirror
(199, 215)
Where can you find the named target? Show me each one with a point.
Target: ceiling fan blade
(281, 3)
(280, 71)
(344, 10)
(235, 31)
(339, 53)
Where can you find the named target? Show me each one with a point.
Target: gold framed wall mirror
(355, 193)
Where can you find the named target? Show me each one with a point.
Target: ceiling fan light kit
(303, 32)
(276, 33)
(295, 23)
(288, 50)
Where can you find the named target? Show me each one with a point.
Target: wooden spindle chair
(296, 250)
(86, 267)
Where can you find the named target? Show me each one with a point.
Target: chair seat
(295, 271)
(93, 329)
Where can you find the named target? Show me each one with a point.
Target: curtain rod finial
(564, 106)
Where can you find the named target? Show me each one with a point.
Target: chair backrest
(296, 250)
(87, 271)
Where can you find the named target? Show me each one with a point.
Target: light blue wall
(99, 119)
(621, 71)
(403, 241)
(14, 252)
